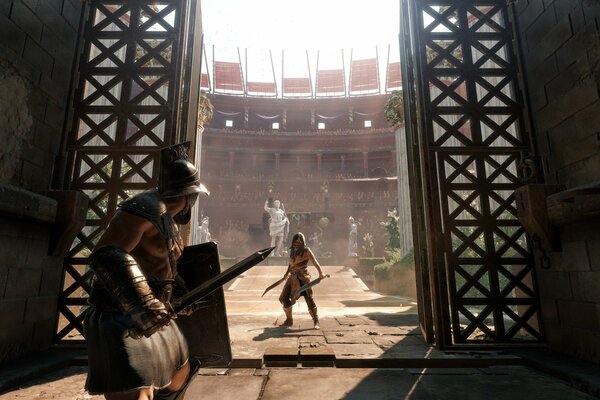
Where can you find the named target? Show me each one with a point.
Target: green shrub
(383, 271)
(370, 261)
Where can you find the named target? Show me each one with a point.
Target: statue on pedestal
(278, 226)
(203, 232)
(353, 238)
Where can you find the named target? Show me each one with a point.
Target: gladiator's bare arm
(124, 230)
(267, 208)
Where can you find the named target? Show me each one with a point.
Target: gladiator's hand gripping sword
(276, 283)
(304, 288)
(197, 294)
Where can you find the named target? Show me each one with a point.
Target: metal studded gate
(465, 124)
(128, 103)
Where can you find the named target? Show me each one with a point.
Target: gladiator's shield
(206, 330)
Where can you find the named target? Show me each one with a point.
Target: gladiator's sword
(195, 295)
(304, 288)
(276, 283)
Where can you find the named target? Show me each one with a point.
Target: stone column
(319, 162)
(231, 162)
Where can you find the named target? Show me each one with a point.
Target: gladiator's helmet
(179, 177)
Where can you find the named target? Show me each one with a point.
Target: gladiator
(135, 266)
(300, 255)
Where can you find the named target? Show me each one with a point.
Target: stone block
(25, 18)
(585, 344)
(281, 356)
(560, 108)
(585, 285)
(569, 77)
(51, 278)
(594, 249)
(62, 75)
(14, 252)
(39, 58)
(35, 177)
(38, 102)
(542, 73)
(528, 12)
(538, 98)
(549, 311)
(317, 357)
(51, 42)
(72, 13)
(587, 120)
(47, 138)
(5, 7)
(40, 309)
(246, 363)
(55, 114)
(32, 4)
(591, 10)
(51, 18)
(43, 334)
(13, 312)
(554, 37)
(545, 21)
(22, 67)
(350, 337)
(11, 35)
(226, 387)
(574, 256)
(554, 284)
(23, 283)
(57, 94)
(579, 314)
(581, 173)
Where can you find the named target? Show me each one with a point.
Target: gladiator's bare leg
(179, 378)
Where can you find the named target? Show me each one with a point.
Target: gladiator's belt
(296, 271)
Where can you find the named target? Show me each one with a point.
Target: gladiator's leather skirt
(293, 283)
(119, 363)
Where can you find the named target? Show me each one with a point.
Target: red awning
(330, 82)
(261, 88)
(204, 82)
(394, 78)
(297, 87)
(228, 77)
(364, 76)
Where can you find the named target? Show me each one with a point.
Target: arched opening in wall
(450, 176)
(337, 182)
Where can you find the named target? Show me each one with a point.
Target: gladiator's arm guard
(121, 276)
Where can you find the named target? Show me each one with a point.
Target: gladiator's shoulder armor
(146, 205)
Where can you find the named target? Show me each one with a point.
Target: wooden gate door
(465, 125)
(131, 98)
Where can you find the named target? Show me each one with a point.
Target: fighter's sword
(206, 288)
(304, 288)
(276, 283)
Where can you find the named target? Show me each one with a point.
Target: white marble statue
(278, 226)
(353, 238)
(203, 232)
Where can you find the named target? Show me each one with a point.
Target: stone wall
(37, 47)
(561, 45)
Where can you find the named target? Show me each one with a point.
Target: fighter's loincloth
(120, 363)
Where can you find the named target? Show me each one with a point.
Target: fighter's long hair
(300, 250)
